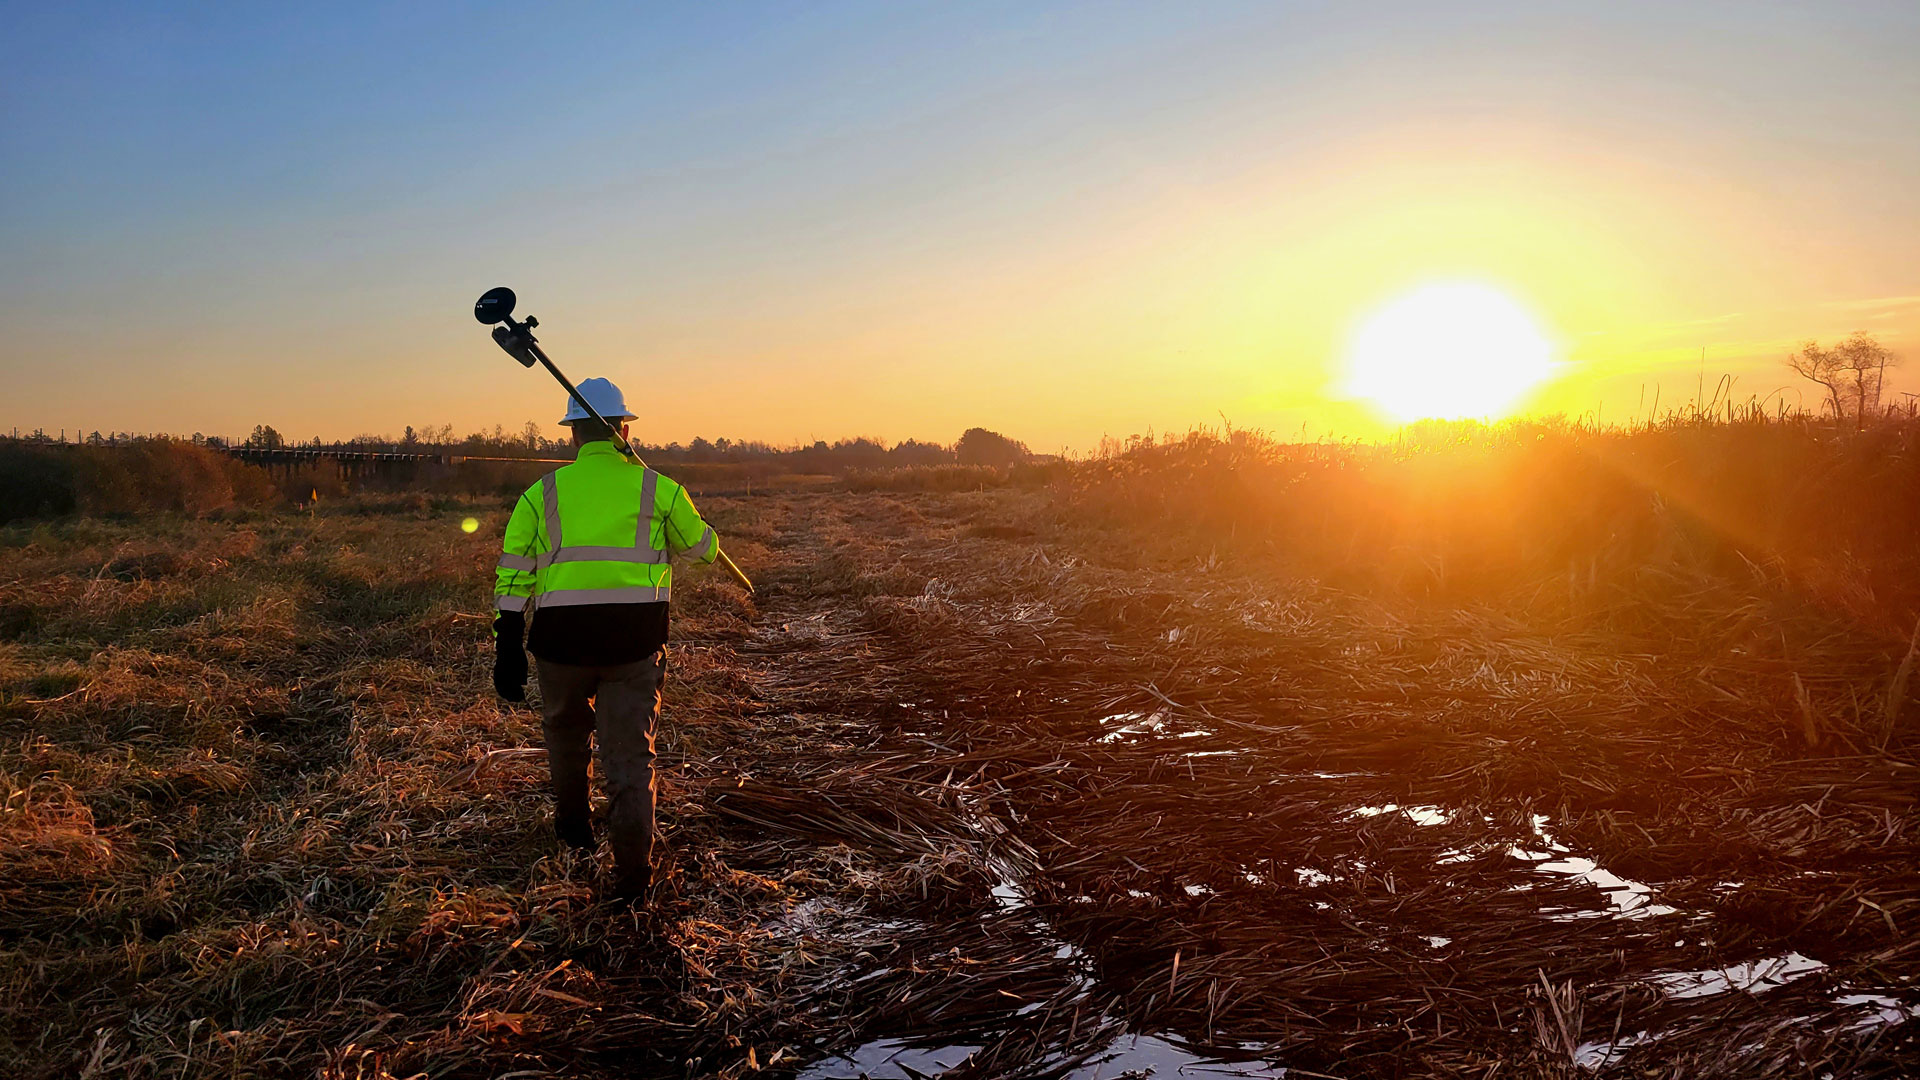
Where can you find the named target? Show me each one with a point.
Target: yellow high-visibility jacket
(598, 531)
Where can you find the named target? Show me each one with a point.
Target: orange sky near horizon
(1142, 233)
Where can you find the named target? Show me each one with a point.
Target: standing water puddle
(1544, 858)
(1753, 977)
(1626, 898)
(1127, 1056)
(1750, 977)
(1419, 815)
(890, 1059)
(1135, 725)
(1884, 1010)
(1145, 1055)
(1630, 899)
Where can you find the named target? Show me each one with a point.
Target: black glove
(509, 657)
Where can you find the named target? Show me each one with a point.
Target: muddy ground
(969, 788)
(1264, 820)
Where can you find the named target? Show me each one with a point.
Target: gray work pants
(622, 705)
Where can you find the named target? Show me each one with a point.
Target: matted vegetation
(1279, 756)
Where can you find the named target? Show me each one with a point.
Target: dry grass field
(1136, 770)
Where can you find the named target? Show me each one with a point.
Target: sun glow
(1450, 351)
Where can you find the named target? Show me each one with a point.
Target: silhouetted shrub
(35, 481)
(978, 446)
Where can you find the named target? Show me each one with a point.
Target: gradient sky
(802, 221)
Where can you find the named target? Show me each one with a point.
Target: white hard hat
(606, 399)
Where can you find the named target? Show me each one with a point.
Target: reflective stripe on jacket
(598, 531)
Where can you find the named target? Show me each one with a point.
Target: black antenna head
(495, 306)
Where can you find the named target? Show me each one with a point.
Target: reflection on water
(1133, 725)
(889, 1059)
(1594, 1055)
(1626, 898)
(1128, 1056)
(1145, 1055)
(1752, 977)
(1881, 1010)
(1630, 899)
(1419, 815)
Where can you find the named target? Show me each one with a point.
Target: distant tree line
(976, 446)
(120, 472)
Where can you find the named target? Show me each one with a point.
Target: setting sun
(1449, 351)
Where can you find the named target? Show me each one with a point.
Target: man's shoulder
(667, 491)
(533, 490)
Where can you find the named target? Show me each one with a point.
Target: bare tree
(1853, 372)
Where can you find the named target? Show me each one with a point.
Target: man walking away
(587, 549)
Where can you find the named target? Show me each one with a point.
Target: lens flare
(1451, 351)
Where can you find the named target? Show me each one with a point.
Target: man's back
(586, 554)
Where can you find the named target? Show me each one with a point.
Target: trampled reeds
(1359, 832)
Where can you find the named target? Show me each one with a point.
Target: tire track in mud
(828, 659)
(1159, 852)
(961, 969)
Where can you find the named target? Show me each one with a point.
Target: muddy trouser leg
(628, 714)
(566, 719)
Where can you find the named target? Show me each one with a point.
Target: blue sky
(790, 221)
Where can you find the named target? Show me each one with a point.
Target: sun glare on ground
(1450, 351)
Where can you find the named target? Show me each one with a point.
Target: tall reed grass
(157, 475)
(1474, 510)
